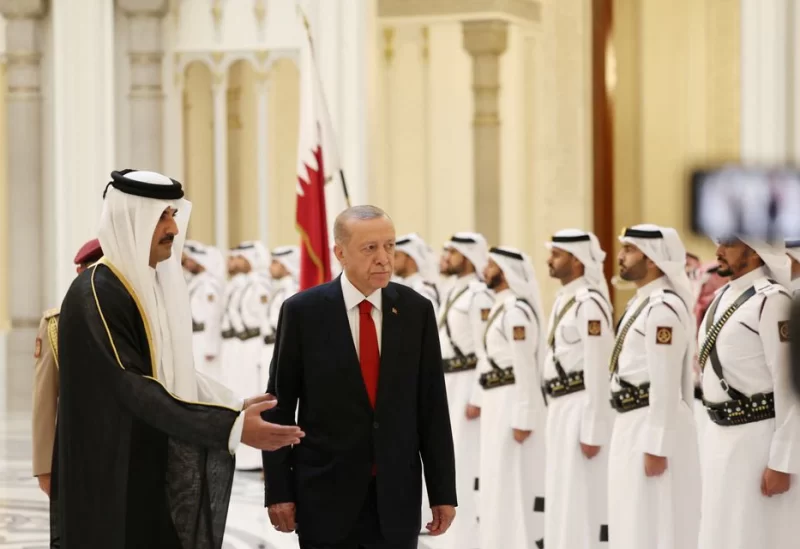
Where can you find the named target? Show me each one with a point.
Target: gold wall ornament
(388, 44)
(217, 57)
(219, 78)
(425, 42)
(260, 11)
(216, 14)
(262, 56)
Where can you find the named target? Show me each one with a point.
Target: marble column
(23, 134)
(262, 156)
(146, 93)
(766, 65)
(220, 93)
(486, 41)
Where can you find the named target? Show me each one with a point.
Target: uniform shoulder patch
(519, 333)
(783, 330)
(664, 335)
(485, 315)
(37, 352)
(594, 328)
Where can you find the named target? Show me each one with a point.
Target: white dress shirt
(352, 298)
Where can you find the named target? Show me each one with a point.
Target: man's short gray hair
(363, 213)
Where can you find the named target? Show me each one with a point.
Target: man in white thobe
(285, 273)
(654, 468)
(579, 418)
(205, 296)
(462, 321)
(250, 258)
(415, 266)
(751, 454)
(512, 407)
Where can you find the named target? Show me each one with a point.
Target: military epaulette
(583, 295)
(767, 287)
(477, 287)
(50, 313)
(658, 296)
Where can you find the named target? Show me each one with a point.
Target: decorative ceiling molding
(524, 10)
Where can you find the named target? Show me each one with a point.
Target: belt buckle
(724, 385)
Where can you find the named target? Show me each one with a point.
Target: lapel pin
(394, 311)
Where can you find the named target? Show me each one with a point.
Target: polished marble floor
(24, 509)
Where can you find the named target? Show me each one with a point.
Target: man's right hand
(44, 483)
(281, 515)
(263, 435)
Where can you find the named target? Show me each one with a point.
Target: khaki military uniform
(45, 392)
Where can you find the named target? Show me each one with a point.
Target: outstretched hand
(261, 434)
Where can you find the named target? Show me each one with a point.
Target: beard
(495, 281)
(635, 272)
(401, 272)
(724, 270)
(454, 270)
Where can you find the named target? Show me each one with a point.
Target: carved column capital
(151, 8)
(23, 9)
(485, 37)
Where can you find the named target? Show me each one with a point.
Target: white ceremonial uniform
(282, 290)
(753, 353)
(576, 487)
(462, 322)
(659, 512)
(205, 298)
(427, 289)
(231, 325)
(248, 378)
(511, 498)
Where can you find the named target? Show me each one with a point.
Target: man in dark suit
(362, 357)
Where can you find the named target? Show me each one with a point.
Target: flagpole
(344, 188)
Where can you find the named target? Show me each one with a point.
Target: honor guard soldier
(751, 453)
(579, 418)
(793, 251)
(462, 322)
(654, 469)
(205, 298)
(251, 259)
(512, 407)
(415, 265)
(284, 270)
(231, 319)
(45, 394)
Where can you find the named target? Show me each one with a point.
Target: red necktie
(368, 353)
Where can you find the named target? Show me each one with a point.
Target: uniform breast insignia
(783, 330)
(485, 314)
(264, 299)
(664, 335)
(211, 298)
(595, 328)
(38, 350)
(519, 333)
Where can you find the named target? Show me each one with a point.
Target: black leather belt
(460, 363)
(631, 398)
(497, 377)
(698, 392)
(270, 339)
(228, 334)
(198, 326)
(742, 411)
(249, 333)
(558, 387)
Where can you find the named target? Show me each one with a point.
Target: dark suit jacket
(327, 475)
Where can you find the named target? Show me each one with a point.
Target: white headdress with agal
(473, 246)
(255, 253)
(415, 247)
(663, 246)
(793, 248)
(586, 248)
(521, 278)
(776, 262)
(208, 256)
(289, 257)
(134, 203)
